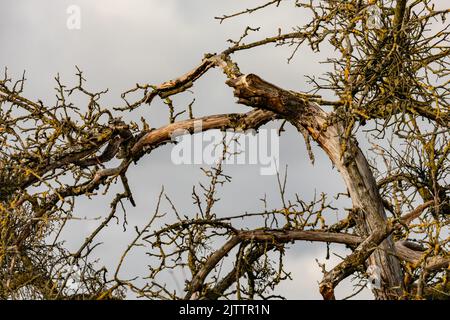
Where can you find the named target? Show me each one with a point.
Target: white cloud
(307, 274)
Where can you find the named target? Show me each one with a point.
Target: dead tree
(390, 74)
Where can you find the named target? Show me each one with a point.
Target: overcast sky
(122, 43)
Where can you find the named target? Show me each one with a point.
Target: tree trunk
(352, 165)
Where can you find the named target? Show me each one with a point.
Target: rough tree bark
(370, 217)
